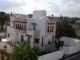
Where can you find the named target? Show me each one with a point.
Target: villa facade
(39, 29)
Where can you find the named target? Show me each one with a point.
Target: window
(8, 34)
(34, 26)
(36, 40)
(50, 29)
(16, 26)
(24, 27)
(20, 26)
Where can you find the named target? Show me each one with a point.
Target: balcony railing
(21, 31)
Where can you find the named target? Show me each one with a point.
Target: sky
(56, 7)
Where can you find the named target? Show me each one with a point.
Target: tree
(64, 28)
(3, 18)
(7, 17)
(23, 52)
(61, 17)
(30, 15)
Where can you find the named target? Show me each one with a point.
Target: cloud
(5, 4)
(71, 8)
(56, 7)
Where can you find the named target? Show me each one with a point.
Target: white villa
(70, 46)
(39, 29)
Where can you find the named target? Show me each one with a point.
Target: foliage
(23, 52)
(58, 44)
(76, 26)
(30, 15)
(38, 52)
(64, 28)
(4, 54)
(3, 18)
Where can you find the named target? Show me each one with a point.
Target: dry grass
(77, 29)
(4, 55)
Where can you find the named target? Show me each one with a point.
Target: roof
(44, 18)
(68, 38)
(76, 40)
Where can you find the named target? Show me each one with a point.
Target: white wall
(65, 50)
(68, 41)
(70, 50)
(48, 38)
(32, 38)
(8, 49)
(42, 31)
(52, 56)
(71, 45)
(40, 27)
(15, 36)
(11, 21)
(78, 44)
(29, 25)
(39, 13)
(73, 49)
(12, 33)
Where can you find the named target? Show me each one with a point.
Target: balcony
(21, 31)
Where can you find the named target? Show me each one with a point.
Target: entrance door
(22, 38)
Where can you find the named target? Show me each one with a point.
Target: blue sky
(56, 7)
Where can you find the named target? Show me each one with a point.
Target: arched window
(20, 26)
(52, 29)
(24, 27)
(48, 29)
(16, 26)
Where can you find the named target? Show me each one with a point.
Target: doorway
(22, 38)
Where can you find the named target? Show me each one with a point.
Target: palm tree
(3, 18)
